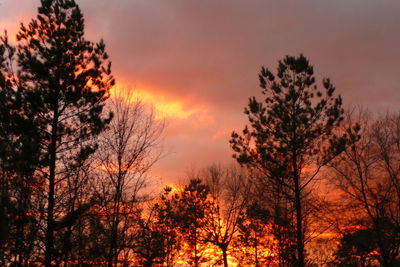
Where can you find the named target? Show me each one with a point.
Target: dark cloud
(208, 53)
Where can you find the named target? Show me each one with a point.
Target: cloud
(164, 106)
(200, 59)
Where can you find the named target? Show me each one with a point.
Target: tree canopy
(292, 130)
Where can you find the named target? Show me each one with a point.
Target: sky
(197, 61)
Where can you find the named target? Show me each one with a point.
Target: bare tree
(229, 189)
(126, 153)
(368, 173)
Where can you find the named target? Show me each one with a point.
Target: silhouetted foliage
(127, 150)
(290, 130)
(65, 80)
(165, 217)
(254, 244)
(72, 179)
(19, 157)
(368, 174)
(191, 212)
(229, 192)
(356, 250)
(157, 239)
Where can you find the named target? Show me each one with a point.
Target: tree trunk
(20, 231)
(256, 252)
(115, 221)
(196, 263)
(299, 220)
(225, 257)
(50, 198)
(50, 220)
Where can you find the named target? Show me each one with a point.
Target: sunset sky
(197, 61)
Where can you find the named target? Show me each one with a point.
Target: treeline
(313, 185)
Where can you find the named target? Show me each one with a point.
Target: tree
(66, 80)
(271, 204)
(355, 249)
(127, 151)
(291, 134)
(191, 212)
(19, 157)
(157, 241)
(78, 202)
(254, 242)
(368, 175)
(229, 190)
(166, 219)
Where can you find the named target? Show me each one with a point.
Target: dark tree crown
(295, 118)
(66, 78)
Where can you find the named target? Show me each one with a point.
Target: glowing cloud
(164, 106)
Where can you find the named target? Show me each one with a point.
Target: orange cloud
(164, 106)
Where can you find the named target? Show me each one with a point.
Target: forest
(311, 183)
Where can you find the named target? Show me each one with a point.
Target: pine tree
(157, 240)
(291, 134)
(254, 240)
(19, 154)
(66, 80)
(192, 210)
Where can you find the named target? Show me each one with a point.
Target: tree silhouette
(291, 135)
(254, 242)
(66, 82)
(165, 210)
(192, 209)
(157, 239)
(19, 157)
(368, 173)
(127, 150)
(356, 249)
(73, 168)
(229, 190)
